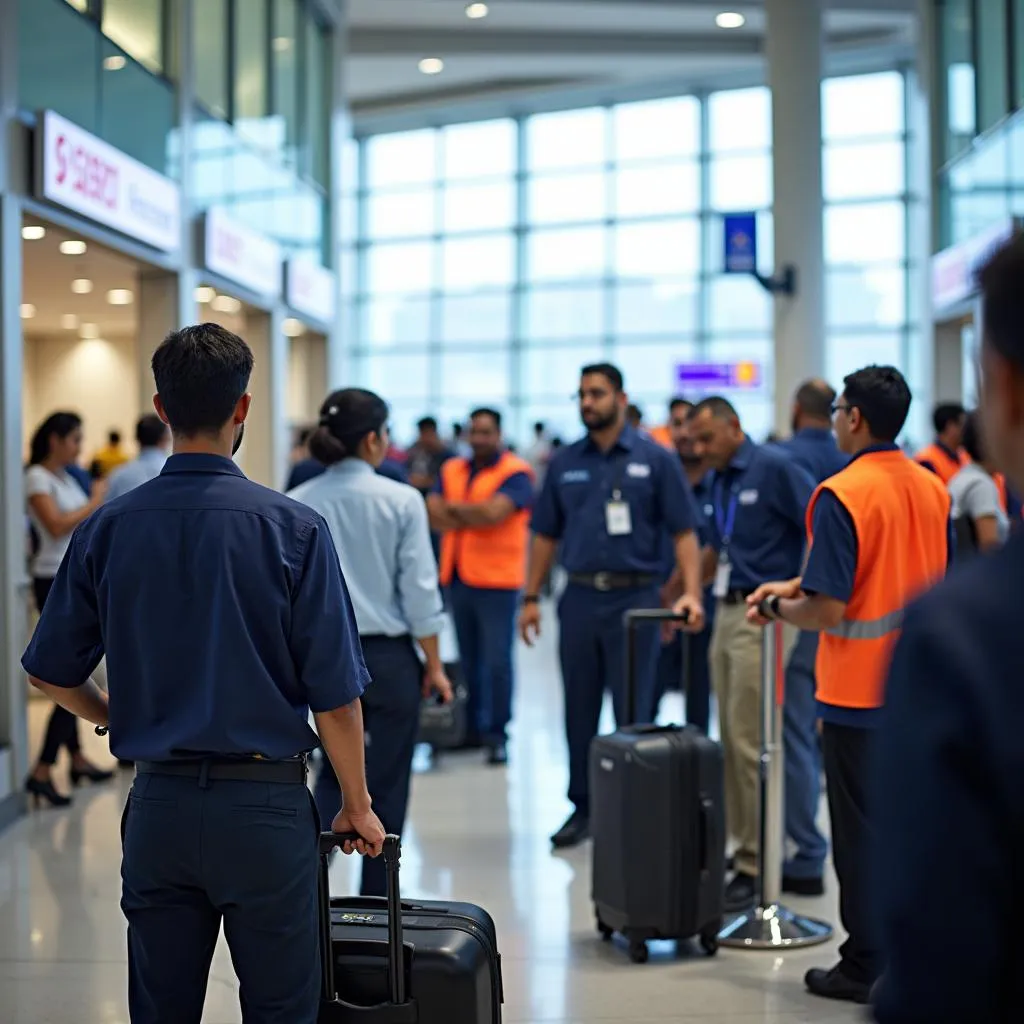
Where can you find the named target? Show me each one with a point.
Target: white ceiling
(526, 46)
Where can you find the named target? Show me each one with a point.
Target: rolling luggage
(658, 825)
(445, 726)
(398, 962)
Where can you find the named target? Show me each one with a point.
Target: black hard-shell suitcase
(394, 962)
(658, 825)
(445, 726)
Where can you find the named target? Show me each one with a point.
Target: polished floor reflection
(477, 833)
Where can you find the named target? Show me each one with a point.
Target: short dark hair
(679, 402)
(538, 427)
(114, 437)
(427, 423)
(487, 411)
(883, 397)
(201, 372)
(946, 413)
(1002, 302)
(974, 443)
(59, 423)
(613, 373)
(346, 417)
(721, 408)
(815, 398)
(150, 431)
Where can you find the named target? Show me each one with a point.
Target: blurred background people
(459, 445)
(538, 452)
(426, 456)
(944, 456)
(109, 457)
(978, 512)
(154, 440)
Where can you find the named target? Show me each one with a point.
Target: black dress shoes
(803, 886)
(573, 832)
(834, 984)
(740, 893)
(497, 753)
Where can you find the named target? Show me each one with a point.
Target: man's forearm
(688, 562)
(809, 612)
(472, 515)
(341, 733)
(542, 555)
(431, 648)
(87, 701)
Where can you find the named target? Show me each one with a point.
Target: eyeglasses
(840, 407)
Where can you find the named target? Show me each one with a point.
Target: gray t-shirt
(976, 496)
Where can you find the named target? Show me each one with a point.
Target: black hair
(59, 423)
(427, 423)
(114, 437)
(679, 402)
(346, 417)
(721, 408)
(946, 413)
(883, 398)
(815, 398)
(1002, 304)
(485, 411)
(304, 434)
(201, 372)
(974, 443)
(634, 412)
(456, 430)
(613, 373)
(150, 431)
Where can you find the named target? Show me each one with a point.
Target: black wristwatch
(531, 598)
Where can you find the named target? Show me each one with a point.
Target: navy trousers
(391, 716)
(592, 653)
(485, 626)
(241, 853)
(803, 762)
(697, 677)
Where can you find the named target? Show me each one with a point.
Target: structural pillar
(794, 47)
(263, 456)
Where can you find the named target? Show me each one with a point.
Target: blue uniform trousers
(485, 626)
(803, 762)
(391, 716)
(696, 678)
(244, 853)
(592, 653)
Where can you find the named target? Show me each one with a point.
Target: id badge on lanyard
(618, 520)
(726, 521)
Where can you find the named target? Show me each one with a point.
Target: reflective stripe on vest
(868, 629)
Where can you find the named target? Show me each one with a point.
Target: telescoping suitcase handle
(396, 958)
(631, 619)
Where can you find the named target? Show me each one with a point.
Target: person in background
(309, 469)
(812, 447)
(975, 493)
(460, 446)
(108, 458)
(56, 505)
(538, 454)
(663, 434)
(635, 417)
(878, 534)
(81, 476)
(380, 531)
(944, 456)
(481, 507)
(154, 439)
(425, 458)
(303, 466)
(607, 502)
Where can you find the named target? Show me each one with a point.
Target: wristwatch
(531, 598)
(769, 607)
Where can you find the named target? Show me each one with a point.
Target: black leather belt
(734, 597)
(604, 581)
(226, 770)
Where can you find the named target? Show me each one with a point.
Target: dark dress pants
(62, 728)
(391, 716)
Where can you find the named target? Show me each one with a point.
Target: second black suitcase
(658, 825)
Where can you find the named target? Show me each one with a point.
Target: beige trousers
(736, 677)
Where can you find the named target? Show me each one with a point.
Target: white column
(264, 453)
(794, 47)
(158, 316)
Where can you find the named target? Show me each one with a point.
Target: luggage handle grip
(331, 840)
(630, 620)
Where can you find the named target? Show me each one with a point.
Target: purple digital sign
(742, 376)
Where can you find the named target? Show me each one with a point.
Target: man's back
(815, 451)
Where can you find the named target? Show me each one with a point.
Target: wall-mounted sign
(82, 173)
(709, 377)
(740, 243)
(954, 270)
(241, 255)
(310, 289)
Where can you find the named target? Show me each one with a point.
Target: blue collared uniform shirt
(139, 471)
(579, 484)
(814, 450)
(222, 611)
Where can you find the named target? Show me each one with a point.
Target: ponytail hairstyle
(346, 417)
(59, 423)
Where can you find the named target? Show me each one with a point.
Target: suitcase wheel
(638, 951)
(709, 941)
(604, 931)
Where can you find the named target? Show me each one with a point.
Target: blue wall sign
(740, 243)
(711, 377)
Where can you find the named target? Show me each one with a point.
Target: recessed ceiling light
(120, 297)
(730, 19)
(89, 331)
(293, 328)
(33, 232)
(204, 294)
(476, 11)
(81, 286)
(69, 322)
(73, 247)
(226, 304)
(282, 44)
(114, 62)
(431, 65)
(27, 311)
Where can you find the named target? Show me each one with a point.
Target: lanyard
(726, 519)
(619, 476)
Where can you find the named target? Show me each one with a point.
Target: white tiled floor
(476, 833)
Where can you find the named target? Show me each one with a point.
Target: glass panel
(480, 207)
(317, 124)
(399, 375)
(554, 371)
(476, 318)
(563, 312)
(402, 268)
(849, 352)
(867, 297)
(659, 190)
(863, 105)
(741, 119)
(475, 377)
(480, 149)
(993, 63)
(565, 255)
(210, 43)
(656, 307)
(741, 182)
(658, 128)
(737, 303)
(285, 55)
(564, 198)
(869, 233)
(1018, 51)
(137, 27)
(250, 85)
(401, 214)
(396, 320)
(651, 368)
(469, 263)
(405, 158)
(855, 172)
(669, 249)
(574, 138)
(956, 70)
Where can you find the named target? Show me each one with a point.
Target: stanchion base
(773, 927)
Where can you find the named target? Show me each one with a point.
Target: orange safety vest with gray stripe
(900, 514)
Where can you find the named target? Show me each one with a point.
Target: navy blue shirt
(578, 485)
(766, 494)
(814, 450)
(222, 611)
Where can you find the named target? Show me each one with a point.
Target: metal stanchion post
(770, 925)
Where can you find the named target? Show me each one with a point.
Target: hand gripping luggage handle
(631, 619)
(396, 958)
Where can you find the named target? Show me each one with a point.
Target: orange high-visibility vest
(490, 557)
(945, 466)
(900, 514)
(661, 435)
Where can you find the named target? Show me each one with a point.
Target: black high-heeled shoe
(43, 789)
(91, 773)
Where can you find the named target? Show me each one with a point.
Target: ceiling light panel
(431, 65)
(730, 19)
(33, 232)
(81, 286)
(27, 311)
(73, 247)
(120, 297)
(204, 294)
(226, 304)
(477, 11)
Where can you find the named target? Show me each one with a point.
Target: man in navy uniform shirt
(607, 500)
(224, 617)
(950, 799)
